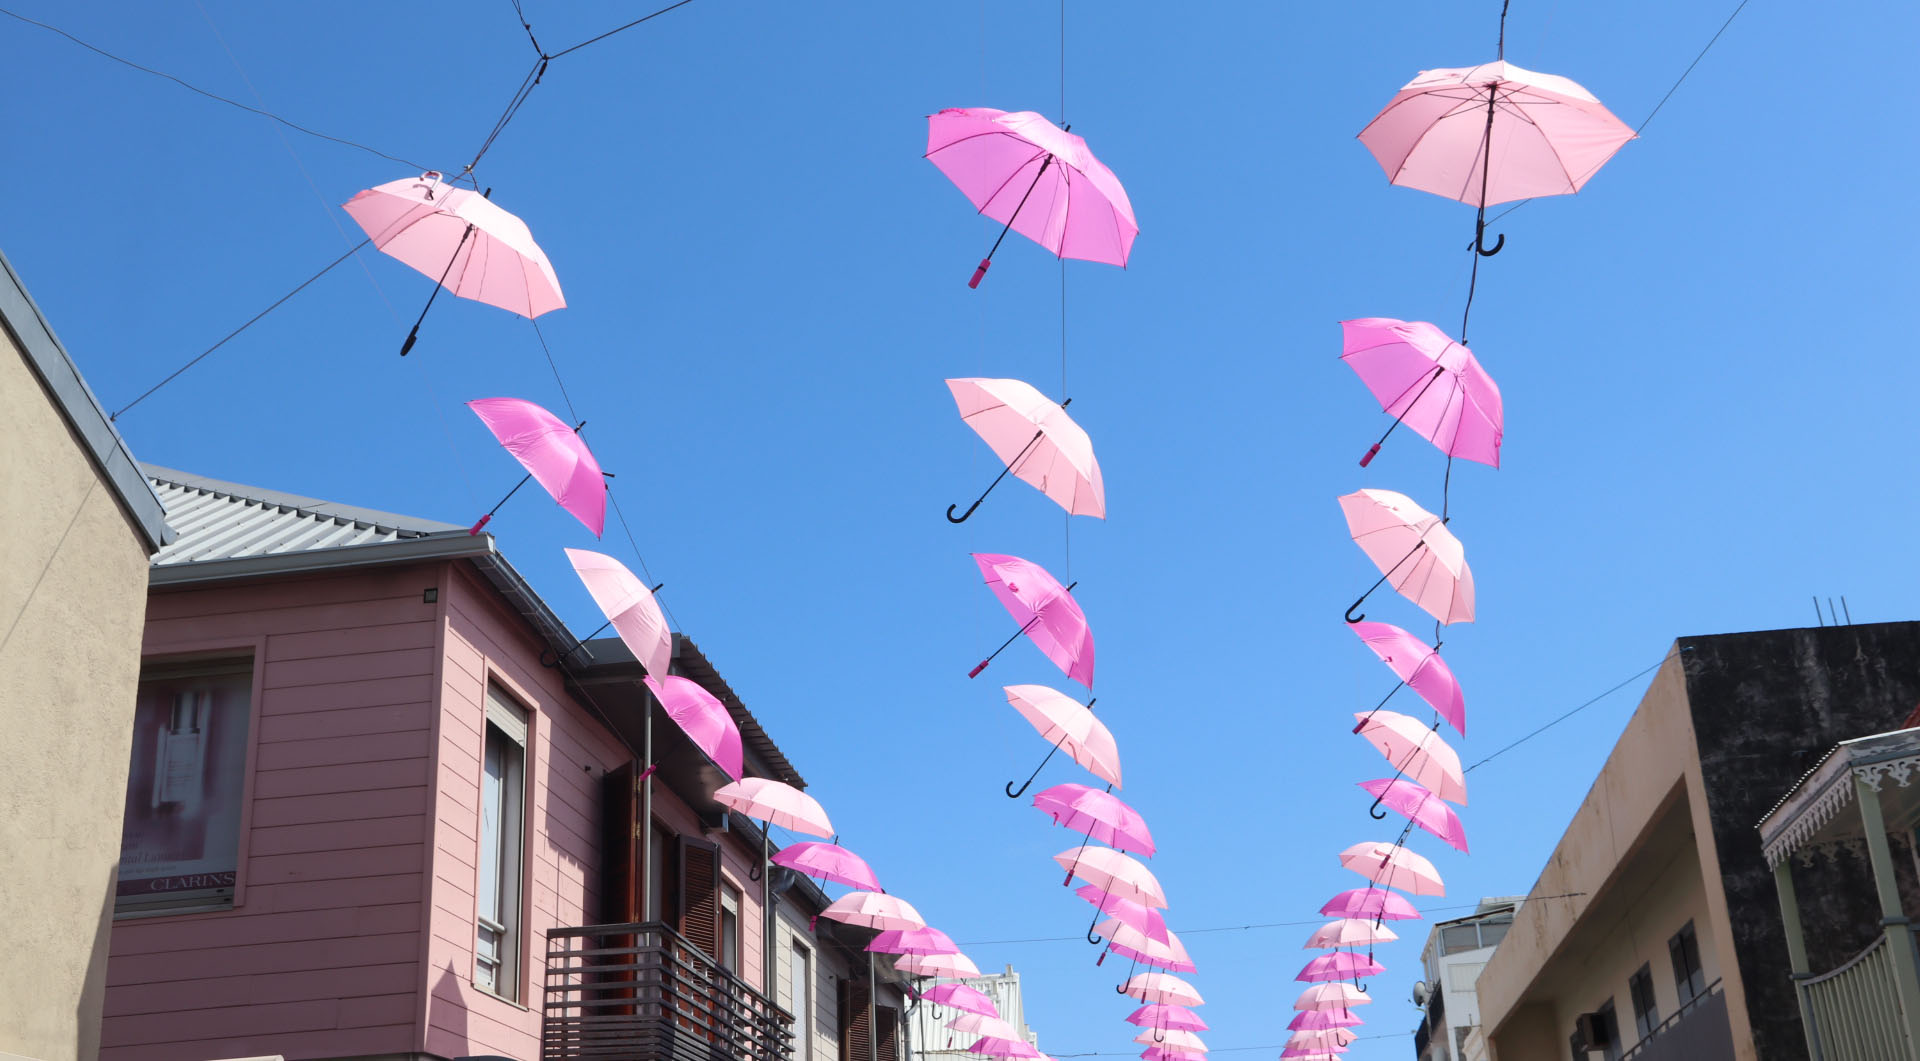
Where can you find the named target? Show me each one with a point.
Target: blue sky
(1706, 360)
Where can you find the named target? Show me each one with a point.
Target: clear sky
(1707, 361)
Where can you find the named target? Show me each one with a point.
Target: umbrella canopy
(1046, 612)
(1103, 816)
(1036, 439)
(1162, 988)
(1161, 1053)
(1167, 1015)
(1376, 904)
(485, 253)
(775, 802)
(1172, 1039)
(706, 722)
(1138, 915)
(1332, 996)
(1340, 965)
(951, 966)
(1073, 204)
(961, 997)
(1546, 135)
(1114, 873)
(992, 1046)
(1425, 380)
(553, 453)
(1317, 1019)
(629, 605)
(981, 1024)
(828, 862)
(1422, 807)
(1416, 750)
(1420, 667)
(1349, 932)
(1129, 942)
(1414, 551)
(1312, 1053)
(912, 941)
(1393, 866)
(1066, 723)
(1322, 1038)
(875, 911)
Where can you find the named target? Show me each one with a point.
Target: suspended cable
(618, 29)
(1582, 707)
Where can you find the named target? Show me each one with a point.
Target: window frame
(1690, 981)
(1646, 1008)
(800, 996)
(732, 902)
(508, 964)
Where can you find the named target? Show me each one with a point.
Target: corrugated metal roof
(218, 520)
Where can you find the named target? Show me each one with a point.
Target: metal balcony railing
(1855, 1009)
(641, 992)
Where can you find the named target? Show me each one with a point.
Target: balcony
(641, 992)
(1697, 1031)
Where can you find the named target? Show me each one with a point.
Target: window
(1689, 980)
(800, 1001)
(502, 799)
(1609, 1027)
(180, 831)
(729, 928)
(1640, 989)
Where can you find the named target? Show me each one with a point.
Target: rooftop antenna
(1846, 611)
(1831, 612)
(1816, 610)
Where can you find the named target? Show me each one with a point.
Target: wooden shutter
(620, 850)
(886, 1022)
(699, 894)
(856, 1018)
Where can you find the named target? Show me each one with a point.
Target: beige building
(77, 524)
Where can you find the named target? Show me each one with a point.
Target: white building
(1455, 953)
(934, 1040)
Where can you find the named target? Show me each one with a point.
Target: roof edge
(311, 506)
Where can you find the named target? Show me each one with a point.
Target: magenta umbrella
(1340, 965)
(913, 941)
(1429, 382)
(776, 803)
(993, 1046)
(961, 997)
(1420, 668)
(1168, 1016)
(1112, 872)
(1045, 610)
(1036, 440)
(1061, 719)
(1416, 751)
(1317, 1019)
(706, 722)
(828, 862)
(1373, 903)
(552, 453)
(1142, 917)
(1414, 550)
(1422, 807)
(1080, 211)
(1103, 816)
(629, 605)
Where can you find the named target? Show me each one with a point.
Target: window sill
(498, 997)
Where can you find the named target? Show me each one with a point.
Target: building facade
(933, 1039)
(1456, 952)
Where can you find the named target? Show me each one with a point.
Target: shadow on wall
(93, 988)
(447, 1016)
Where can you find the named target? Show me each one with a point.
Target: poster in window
(180, 837)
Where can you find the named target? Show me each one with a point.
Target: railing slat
(1855, 1009)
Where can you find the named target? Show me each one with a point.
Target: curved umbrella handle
(1375, 812)
(1119, 989)
(962, 517)
(1159, 1035)
(1480, 242)
(1352, 618)
(1093, 939)
(755, 874)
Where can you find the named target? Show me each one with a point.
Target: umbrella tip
(980, 272)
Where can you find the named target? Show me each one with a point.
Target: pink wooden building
(378, 793)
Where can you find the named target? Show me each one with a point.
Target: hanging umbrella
(981, 1025)
(706, 722)
(1144, 918)
(828, 862)
(1035, 439)
(462, 241)
(1130, 942)
(1311, 1053)
(552, 453)
(873, 910)
(1416, 751)
(1349, 932)
(1429, 382)
(1332, 996)
(1167, 1016)
(1318, 1019)
(1061, 719)
(1103, 816)
(1422, 807)
(1340, 965)
(961, 997)
(629, 606)
(1420, 668)
(951, 966)
(1377, 904)
(1161, 1053)
(1393, 866)
(1045, 610)
(1322, 1038)
(1414, 550)
(995, 1047)
(912, 941)
(1170, 1039)
(1161, 988)
(777, 803)
(1079, 210)
(1114, 873)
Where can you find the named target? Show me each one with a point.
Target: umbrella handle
(1159, 1035)
(962, 517)
(1119, 989)
(755, 874)
(1093, 939)
(1480, 241)
(1372, 453)
(1375, 812)
(1352, 618)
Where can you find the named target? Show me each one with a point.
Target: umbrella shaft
(444, 273)
(1438, 370)
(1023, 202)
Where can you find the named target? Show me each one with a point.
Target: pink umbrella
(1332, 996)
(1061, 719)
(1161, 988)
(1103, 816)
(708, 723)
(1422, 807)
(470, 246)
(912, 941)
(1045, 610)
(1416, 751)
(1315, 1019)
(776, 803)
(1142, 917)
(1349, 932)
(1419, 667)
(1340, 965)
(982, 1025)
(1309, 1053)
(1035, 439)
(1161, 1053)
(952, 966)
(1114, 873)
(995, 1047)
(1428, 382)
(1414, 550)
(961, 997)
(1377, 904)
(875, 911)
(551, 452)
(1130, 942)
(1166, 1015)
(828, 862)
(1081, 210)
(1324, 1038)
(1393, 866)
(1170, 1039)
(629, 606)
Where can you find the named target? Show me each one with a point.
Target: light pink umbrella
(1130, 942)
(462, 241)
(1078, 208)
(1416, 750)
(1315, 1019)
(1161, 988)
(951, 966)
(1420, 668)
(1340, 965)
(1045, 610)
(1161, 1053)
(1393, 866)
(1422, 807)
(828, 862)
(706, 722)
(1349, 932)
(1332, 996)
(1114, 873)
(1429, 382)
(874, 910)
(1061, 719)
(1334, 1038)
(552, 453)
(1103, 816)
(961, 997)
(912, 941)
(991, 1046)
(629, 605)
(982, 1025)
(1378, 904)
(777, 803)
(1312, 1053)
(1036, 440)
(1167, 1016)
(1414, 550)
(1142, 917)
(1171, 1039)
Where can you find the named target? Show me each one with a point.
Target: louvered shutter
(856, 1018)
(700, 894)
(886, 1021)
